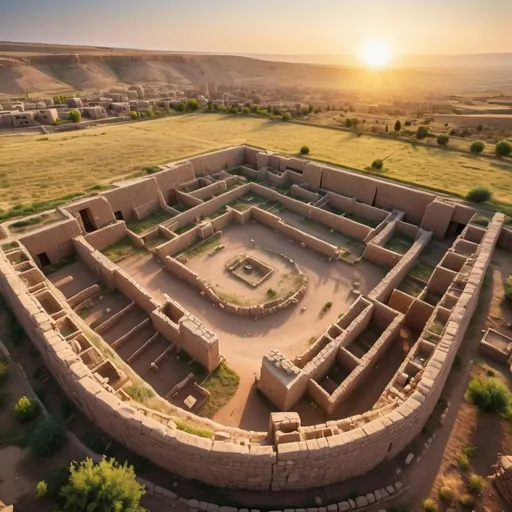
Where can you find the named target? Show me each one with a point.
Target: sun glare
(376, 54)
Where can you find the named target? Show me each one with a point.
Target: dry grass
(32, 170)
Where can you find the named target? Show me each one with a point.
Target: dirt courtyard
(244, 341)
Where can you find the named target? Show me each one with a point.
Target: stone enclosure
(187, 261)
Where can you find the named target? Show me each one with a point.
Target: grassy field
(40, 168)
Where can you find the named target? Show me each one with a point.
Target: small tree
(106, 486)
(26, 410)
(398, 125)
(287, 116)
(421, 132)
(254, 108)
(304, 150)
(192, 104)
(443, 139)
(377, 164)
(48, 437)
(479, 194)
(233, 110)
(246, 110)
(503, 148)
(222, 108)
(348, 122)
(180, 107)
(75, 116)
(477, 147)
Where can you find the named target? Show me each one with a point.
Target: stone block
(343, 506)
(361, 501)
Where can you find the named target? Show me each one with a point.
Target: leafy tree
(421, 132)
(26, 410)
(304, 150)
(254, 108)
(443, 139)
(408, 122)
(398, 125)
(477, 147)
(180, 107)
(262, 112)
(192, 104)
(246, 110)
(503, 148)
(377, 164)
(489, 395)
(286, 116)
(479, 194)
(75, 116)
(103, 487)
(47, 438)
(348, 122)
(233, 110)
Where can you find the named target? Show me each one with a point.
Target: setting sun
(375, 54)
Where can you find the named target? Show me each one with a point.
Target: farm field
(45, 167)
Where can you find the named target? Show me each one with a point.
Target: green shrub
(222, 108)
(41, 489)
(233, 110)
(508, 288)
(408, 123)
(443, 139)
(140, 393)
(489, 395)
(429, 505)
(377, 164)
(271, 293)
(469, 451)
(254, 108)
(181, 107)
(47, 438)
(503, 148)
(75, 115)
(467, 500)
(479, 194)
(286, 116)
(101, 487)
(446, 495)
(398, 125)
(462, 461)
(477, 147)
(421, 132)
(327, 306)
(304, 150)
(476, 483)
(26, 410)
(246, 110)
(192, 104)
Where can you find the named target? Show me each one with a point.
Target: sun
(375, 54)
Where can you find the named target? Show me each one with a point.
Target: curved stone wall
(316, 456)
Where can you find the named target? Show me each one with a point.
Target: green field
(40, 168)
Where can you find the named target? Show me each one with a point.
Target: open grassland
(40, 168)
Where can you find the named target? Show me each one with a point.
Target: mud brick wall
(181, 271)
(463, 213)
(97, 263)
(409, 230)
(473, 234)
(395, 276)
(172, 177)
(177, 244)
(127, 198)
(304, 194)
(100, 212)
(131, 289)
(55, 241)
(492, 352)
(505, 241)
(342, 202)
(369, 212)
(209, 191)
(400, 301)
(107, 236)
(222, 221)
(437, 218)
(381, 255)
(440, 280)
(218, 160)
(185, 198)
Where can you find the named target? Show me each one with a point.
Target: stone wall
(217, 160)
(99, 211)
(107, 236)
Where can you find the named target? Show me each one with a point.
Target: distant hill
(48, 69)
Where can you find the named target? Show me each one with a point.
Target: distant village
(147, 101)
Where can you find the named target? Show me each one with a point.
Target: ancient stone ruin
(340, 300)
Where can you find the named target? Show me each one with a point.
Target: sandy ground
(244, 341)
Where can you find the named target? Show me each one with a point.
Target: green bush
(41, 489)
(192, 104)
(479, 194)
(398, 125)
(477, 147)
(254, 108)
(489, 395)
(180, 107)
(462, 461)
(286, 116)
(469, 451)
(443, 139)
(233, 110)
(222, 108)
(503, 148)
(246, 110)
(467, 500)
(75, 115)
(377, 164)
(271, 293)
(508, 288)
(429, 505)
(421, 132)
(26, 410)
(476, 483)
(47, 438)
(408, 123)
(304, 150)
(446, 495)
(106, 486)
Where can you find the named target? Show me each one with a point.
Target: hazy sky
(264, 26)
